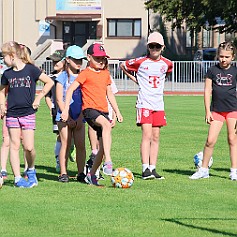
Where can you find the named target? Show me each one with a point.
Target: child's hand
(36, 103)
(3, 111)
(64, 115)
(113, 122)
(119, 117)
(209, 118)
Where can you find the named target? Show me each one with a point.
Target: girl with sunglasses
(151, 72)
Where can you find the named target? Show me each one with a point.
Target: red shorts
(222, 116)
(147, 116)
(24, 122)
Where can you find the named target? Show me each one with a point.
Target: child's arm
(72, 87)
(48, 102)
(207, 100)
(48, 84)
(3, 108)
(128, 73)
(113, 123)
(114, 104)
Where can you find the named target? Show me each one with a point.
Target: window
(124, 27)
(189, 39)
(206, 38)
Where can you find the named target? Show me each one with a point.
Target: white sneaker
(200, 174)
(233, 176)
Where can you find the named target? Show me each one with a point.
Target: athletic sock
(144, 167)
(17, 179)
(152, 167)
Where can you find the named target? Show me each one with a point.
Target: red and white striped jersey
(151, 76)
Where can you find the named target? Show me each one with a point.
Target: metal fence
(187, 76)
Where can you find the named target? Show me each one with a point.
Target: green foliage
(174, 207)
(196, 13)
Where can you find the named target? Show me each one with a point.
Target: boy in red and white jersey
(151, 72)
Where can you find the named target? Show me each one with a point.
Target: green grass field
(172, 207)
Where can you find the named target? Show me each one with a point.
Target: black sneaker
(81, 178)
(147, 174)
(156, 175)
(63, 178)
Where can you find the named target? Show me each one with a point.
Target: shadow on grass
(49, 173)
(180, 221)
(189, 173)
(177, 171)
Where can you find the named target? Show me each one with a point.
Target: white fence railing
(187, 76)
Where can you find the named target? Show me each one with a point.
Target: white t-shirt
(151, 76)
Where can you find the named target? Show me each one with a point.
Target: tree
(215, 14)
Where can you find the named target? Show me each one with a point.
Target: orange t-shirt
(94, 89)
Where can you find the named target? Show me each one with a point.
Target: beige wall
(125, 48)
(20, 20)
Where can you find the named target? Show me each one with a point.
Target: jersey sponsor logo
(154, 81)
(224, 80)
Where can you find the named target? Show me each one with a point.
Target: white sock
(57, 148)
(17, 179)
(152, 167)
(3, 170)
(233, 170)
(144, 167)
(204, 169)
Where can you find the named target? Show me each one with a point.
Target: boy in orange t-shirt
(95, 85)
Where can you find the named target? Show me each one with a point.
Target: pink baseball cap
(156, 37)
(97, 50)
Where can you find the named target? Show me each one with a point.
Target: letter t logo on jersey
(154, 80)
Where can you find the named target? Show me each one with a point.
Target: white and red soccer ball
(122, 178)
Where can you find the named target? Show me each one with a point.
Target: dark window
(124, 27)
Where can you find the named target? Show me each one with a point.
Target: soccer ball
(197, 159)
(122, 178)
(1, 181)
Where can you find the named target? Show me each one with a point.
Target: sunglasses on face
(152, 46)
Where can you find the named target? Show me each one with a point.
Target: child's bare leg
(79, 141)
(154, 146)
(106, 136)
(93, 140)
(28, 144)
(65, 147)
(232, 140)
(145, 146)
(4, 152)
(15, 141)
(98, 158)
(213, 133)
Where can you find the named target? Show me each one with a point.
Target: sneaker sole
(160, 178)
(33, 185)
(206, 177)
(149, 177)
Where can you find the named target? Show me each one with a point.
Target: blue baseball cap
(76, 52)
